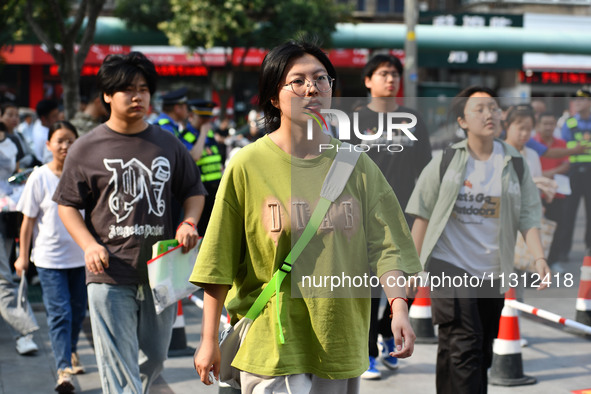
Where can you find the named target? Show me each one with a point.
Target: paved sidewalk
(560, 360)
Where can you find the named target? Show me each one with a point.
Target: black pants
(468, 321)
(580, 183)
(212, 189)
(555, 212)
(379, 326)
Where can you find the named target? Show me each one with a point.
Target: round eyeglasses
(300, 86)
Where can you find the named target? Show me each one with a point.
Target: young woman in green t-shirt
(259, 209)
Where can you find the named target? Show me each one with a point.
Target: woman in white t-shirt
(519, 124)
(59, 260)
(467, 215)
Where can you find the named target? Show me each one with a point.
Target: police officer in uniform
(207, 154)
(577, 130)
(174, 116)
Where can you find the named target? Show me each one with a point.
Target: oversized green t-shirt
(265, 198)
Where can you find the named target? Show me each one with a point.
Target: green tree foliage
(260, 23)
(142, 13)
(12, 21)
(64, 27)
(249, 23)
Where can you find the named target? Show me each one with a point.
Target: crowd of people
(108, 184)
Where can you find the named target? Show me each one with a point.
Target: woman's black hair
(273, 70)
(5, 106)
(61, 124)
(519, 111)
(118, 72)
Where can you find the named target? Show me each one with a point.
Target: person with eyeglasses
(265, 199)
(467, 216)
(382, 75)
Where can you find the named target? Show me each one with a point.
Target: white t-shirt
(470, 239)
(53, 247)
(533, 161)
(8, 153)
(40, 150)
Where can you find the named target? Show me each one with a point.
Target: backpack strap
(448, 155)
(518, 167)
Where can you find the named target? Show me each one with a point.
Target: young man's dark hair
(44, 107)
(378, 60)
(545, 114)
(118, 72)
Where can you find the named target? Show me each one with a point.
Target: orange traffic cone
(420, 317)
(178, 342)
(507, 365)
(583, 305)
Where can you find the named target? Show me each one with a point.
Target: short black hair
(5, 106)
(380, 60)
(44, 107)
(118, 72)
(545, 114)
(61, 124)
(519, 111)
(458, 104)
(273, 70)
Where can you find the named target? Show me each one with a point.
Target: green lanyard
(333, 186)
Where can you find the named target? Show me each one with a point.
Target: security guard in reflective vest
(577, 130)
(206, 154)
(174, 116)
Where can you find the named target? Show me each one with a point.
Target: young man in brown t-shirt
(125, 174)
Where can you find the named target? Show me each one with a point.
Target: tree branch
(61, 23)
(44, 38)
(78, 19)
(94, 9)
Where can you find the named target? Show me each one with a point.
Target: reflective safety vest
(210, 162)
(185, 134)
(580, 136)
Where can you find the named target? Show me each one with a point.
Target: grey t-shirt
(126, 184)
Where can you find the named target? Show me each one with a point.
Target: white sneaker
(25, 345)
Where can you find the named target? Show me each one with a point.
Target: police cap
(583, 93)
(202, 107)
(178, 96)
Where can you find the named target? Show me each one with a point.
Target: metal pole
(410, 54)
(548, 316)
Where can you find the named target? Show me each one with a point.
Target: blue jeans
(125, 326)
(64, 297)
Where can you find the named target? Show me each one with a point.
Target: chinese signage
(553, 77)
(470, 60)
(470, 20)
